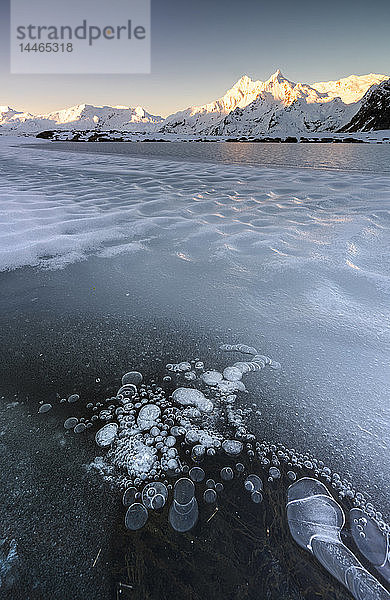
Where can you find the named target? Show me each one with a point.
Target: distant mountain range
(80, 117)
(274, 107)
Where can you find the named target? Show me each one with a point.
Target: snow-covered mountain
(350, 89)
(277, 106)
(374, 111)
(266, 116)
(201, 118)
(206, 118)
(80, 117)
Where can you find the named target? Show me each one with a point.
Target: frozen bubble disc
(192, 397)
(133, 377)
(197, 474)
(232, 447)
(129, 496)
(136, 516)
(212, 377)
(305, 487)
(150, 493)
(372, 543)
(363, 586)
(147, 416)
(334, 556)
(232, 374)
(253, 483)
(314, 516)
(184, 490)
(183, 517)
(106, 435)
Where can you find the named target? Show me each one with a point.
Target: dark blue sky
(200, 48)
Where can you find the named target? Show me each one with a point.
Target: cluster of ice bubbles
(157, 440)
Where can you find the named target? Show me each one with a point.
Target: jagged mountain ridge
(350, 89)
(206, 118)
(277, 106)
(81, 117)
(374, 112)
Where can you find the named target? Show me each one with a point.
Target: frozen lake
(140, 255)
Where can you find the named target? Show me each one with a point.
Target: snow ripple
(58, 207)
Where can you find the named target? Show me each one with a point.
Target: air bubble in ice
(183, 517)
(184, 490)
(71, 423)
(232, 447)
(133, 377)
(192, 397)
(45, 408)
(374, 544)
(212, 377)
(227, 473)
(198, 453)
(183, 513)
(314, 516)
(147, 416)
(197, 474)
(106, 435)
(232, 374)
(210, 496)
(150, 491)
(256, 497)
(238, 348)
(253, 483)
(136, 516)
(305, 487)
(129, 496)
(364, 586)
(73, 398)
(274, 473)
(80, 428)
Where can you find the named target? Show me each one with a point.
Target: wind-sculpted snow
(57, 208)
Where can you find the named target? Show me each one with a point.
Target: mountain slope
(374, 111)
(200, 118)
(204, 119)
(349, 89)
(82, 117)
(267, 116)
